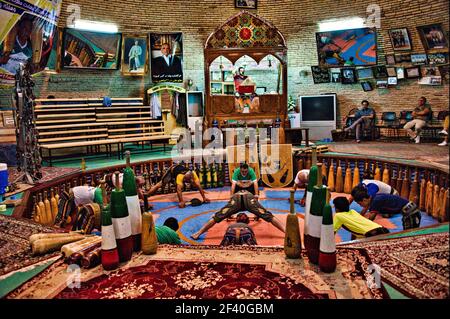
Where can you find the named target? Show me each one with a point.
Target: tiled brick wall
(296, 19)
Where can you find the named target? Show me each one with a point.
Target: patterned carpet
(15, 249)
(417, 266)
(211, 272)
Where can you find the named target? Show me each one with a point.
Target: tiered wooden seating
(70, 123)
(130, 121)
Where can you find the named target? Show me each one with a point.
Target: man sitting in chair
(363, 119)
(241, 201)
(420, 115)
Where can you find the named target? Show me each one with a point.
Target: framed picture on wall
(381, 71)
(365, 73)
(335, 75)
(437, 58)
(400, 39)
(390, 59)
(245, 4)
(412, 73)
(400, 73)
(320, 75)
(391, 72)
(429, 71)
(90, 50)
(433, 37)
(444, 70)
(419, 58)
(402, 57)
(366, 86)
(339, 48)
(382, 84)
(348, 76)
(166, 57)
(392, 80)
(134, 55)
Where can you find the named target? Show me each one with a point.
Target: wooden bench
(71, 123)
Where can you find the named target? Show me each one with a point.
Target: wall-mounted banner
(27, 34)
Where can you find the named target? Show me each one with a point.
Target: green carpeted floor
(94, 161)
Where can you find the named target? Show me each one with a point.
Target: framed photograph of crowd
(245, 4)
(437, 58)
(134, 55)
(166, 57)
(433, 37)
(402, 57)
(419, 58)
(400, 39)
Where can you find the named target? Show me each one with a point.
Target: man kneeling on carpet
(241, 201)
(239, 233)
(167, 233)
(387, 204)
(353, 221)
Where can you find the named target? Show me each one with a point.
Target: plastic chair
(390, 122)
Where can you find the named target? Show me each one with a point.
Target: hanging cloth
(155, 106)
(182, 111)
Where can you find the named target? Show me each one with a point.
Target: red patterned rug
(192, 280)
(418, 266)
(207, 278)
(15, 249)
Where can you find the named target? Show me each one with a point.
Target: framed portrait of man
(433, 37)
(134, 55)
(166, 57)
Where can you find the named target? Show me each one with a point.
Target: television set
(318, 113)
(90, 50)
(352, 47)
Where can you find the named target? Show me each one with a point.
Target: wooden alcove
(245, 34)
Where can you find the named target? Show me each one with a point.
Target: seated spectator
(389, 205)
(363, 119)
(167, 234)
(444, 132)
(239, 233)
(420, 115)
(353, 221)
